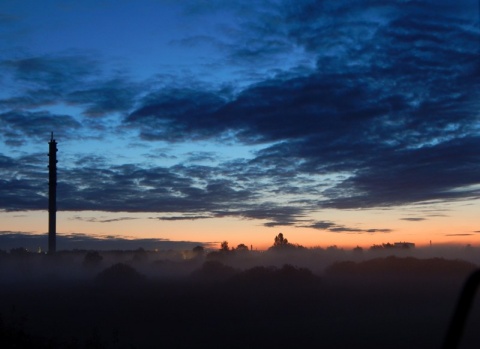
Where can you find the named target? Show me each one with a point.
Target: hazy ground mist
(283, 299)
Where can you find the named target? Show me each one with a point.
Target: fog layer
(298, 298)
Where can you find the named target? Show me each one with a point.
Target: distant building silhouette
(52, 196)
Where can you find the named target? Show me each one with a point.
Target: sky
(334, 122)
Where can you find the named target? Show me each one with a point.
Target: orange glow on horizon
(456, 225)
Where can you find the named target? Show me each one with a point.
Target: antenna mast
(52, 195)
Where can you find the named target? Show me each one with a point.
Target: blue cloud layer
(382, 100)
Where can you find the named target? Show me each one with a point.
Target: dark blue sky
(286, 114)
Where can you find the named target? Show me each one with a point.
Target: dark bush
(120, 274)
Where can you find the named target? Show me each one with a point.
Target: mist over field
(236, 298)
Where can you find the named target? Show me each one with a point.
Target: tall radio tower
(52, 196)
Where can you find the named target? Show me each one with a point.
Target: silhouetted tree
(358, 249)
(281, 243)
(140, 255)
(92, 259)
(272, 277)
(280, 240)
(375, 247)
(215, 256)
(198, 250)
(224, 246)
(296, 274)
(395, 266)
(120, 274)
(19, 251)
(242, 248)
(213, 271)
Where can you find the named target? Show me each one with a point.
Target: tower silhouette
(52, 196)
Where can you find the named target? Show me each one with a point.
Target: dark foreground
(389, 303)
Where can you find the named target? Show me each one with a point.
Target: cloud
(23, 182)
(78, 80)
(245, 34)
(182, 218)
(278, 224)
(174, 114)
(102, 220)
(413, 175)
(197, 40)
(413, 219)
(12, 239)
(323, 225)
(384, 106)
(134, 188)
(277, 214)
(51, 72)
(104, 97)
(200, 156)
(459, 234)
(18, 127)
(337, 228)
(94, 184)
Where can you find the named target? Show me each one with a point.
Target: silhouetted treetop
(92, 259)
(408, 266)
(281, 243)
(199, 250)
(224, 246)
(280, 240)
(140, 255)
(358, 249)
(288, 276)
(213, 271)
(242, 247)
(120, 274)
(19, 251)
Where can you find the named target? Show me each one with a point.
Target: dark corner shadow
(462, 310)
